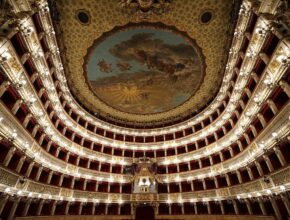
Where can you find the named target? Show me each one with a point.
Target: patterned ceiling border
(154, 123)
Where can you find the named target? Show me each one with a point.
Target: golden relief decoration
(277, 60)
(72, 168)
(281, 177)
(222, 192)
(245, 188)
(185, 16)
(44, 189)
(8, 179)
(66, 192)
(144, 197)
(144, 8)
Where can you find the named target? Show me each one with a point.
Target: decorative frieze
(7, 178)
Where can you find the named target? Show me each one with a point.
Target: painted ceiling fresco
(80, 38)
(143, 69)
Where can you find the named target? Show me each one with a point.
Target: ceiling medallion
(144, 68)
(206, 16)
(83, 17)
(144, 8)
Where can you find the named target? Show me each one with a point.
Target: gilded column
(3, 87)
(262, 207)
(16, 106)
(106, 208)
(26, 207)
(259, 168)
(27, 119)
(20, 164)
(9, 156)
(280, 156)
(208, 208)
(28, 171)
(13, 208)
(276, 209)
(93, 208)
(228, 179)
(285, 86)
(80, 208)
(286, 203)
(39, 208)
(249, 207)
(3, 201)
(262, 119)
(52, 211)
(38, 173)
(222, 207)
(265, 57)
(268, 162)
(49, 177)
(67, 208)
(272, 106)
(255, 76)
(195, 209)
(239, 176)
(250, 173)
(236, 207)
(35, 129)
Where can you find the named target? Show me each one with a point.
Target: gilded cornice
(277, 178)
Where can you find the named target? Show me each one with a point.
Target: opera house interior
(209, 142)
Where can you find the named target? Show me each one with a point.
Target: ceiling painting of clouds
(144, 69)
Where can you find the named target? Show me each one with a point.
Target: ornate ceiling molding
(143, 9)
(183, 19)
(196, 77)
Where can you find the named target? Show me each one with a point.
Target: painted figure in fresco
(105, 67)
(146, 71)
(154, 62)
(123, 66)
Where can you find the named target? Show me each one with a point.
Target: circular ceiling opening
(206, 17)
(144, 69)
(83, 17)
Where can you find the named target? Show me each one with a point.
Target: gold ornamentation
(250, 187)
(184, 16)
(7, 178)
(66, 192)
(71, 168)
(144, 8)
(144, 197)
(281, 177)
(41, 188)
(222, 192)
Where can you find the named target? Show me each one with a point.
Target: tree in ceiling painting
(144, 70)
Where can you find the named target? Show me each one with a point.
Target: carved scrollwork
(66, 192)
(144, 8)
(281, 177)
(7, 178)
